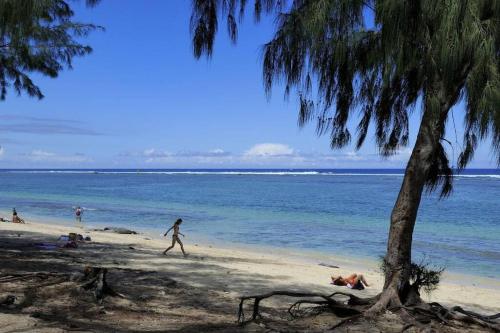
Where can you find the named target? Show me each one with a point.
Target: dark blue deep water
(331, 211)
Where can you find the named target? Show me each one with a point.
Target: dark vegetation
(378, 61)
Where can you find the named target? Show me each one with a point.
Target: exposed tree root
(28, 276)
(355, 300)
(388, 299)
(328, 301)
(473, 314)
(419, 314)
(338, 308)
(458, 314)
(345, 321)
(425, 313)
(95, 279)
(8, 300)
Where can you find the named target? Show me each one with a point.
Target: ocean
(340, 212)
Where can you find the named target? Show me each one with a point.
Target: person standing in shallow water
(78, 214)
(175, 237)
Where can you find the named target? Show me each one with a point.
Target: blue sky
(141, 100)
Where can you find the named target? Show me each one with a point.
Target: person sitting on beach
(15, 217)
(353, 281)
(175, 236)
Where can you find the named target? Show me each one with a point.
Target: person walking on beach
(175, 237)
(78, 214)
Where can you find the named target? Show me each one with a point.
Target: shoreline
(306, 256)
(295, 269)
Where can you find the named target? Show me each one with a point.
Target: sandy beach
(209, 281)
(334, 166)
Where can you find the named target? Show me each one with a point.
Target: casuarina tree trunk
(404, 213)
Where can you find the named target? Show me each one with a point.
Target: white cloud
(45, 156)
(40, 154)
(214, 156)
(264, 155)
(401, 156)
(217, 151)
(353, 156)
(211, 153)
(154, 153)
(272, 155)
(11, 123)
(269, 150)
(2, 151)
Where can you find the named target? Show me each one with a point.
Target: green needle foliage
(423, 275)
(416, 53)
(37, 36)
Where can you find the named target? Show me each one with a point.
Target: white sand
(272, 268)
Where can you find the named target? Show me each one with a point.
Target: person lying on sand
(175, 236)
(353, 281)
(15, 217)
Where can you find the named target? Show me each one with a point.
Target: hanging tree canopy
(439, 52)
(38, 36)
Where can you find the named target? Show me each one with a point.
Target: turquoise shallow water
(331, 211)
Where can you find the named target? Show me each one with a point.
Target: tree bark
(404, 213)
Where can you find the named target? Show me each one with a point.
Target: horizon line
(139, 169)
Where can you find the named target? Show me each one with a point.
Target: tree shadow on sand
(160, 293)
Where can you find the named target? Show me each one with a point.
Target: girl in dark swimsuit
(175, 236)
